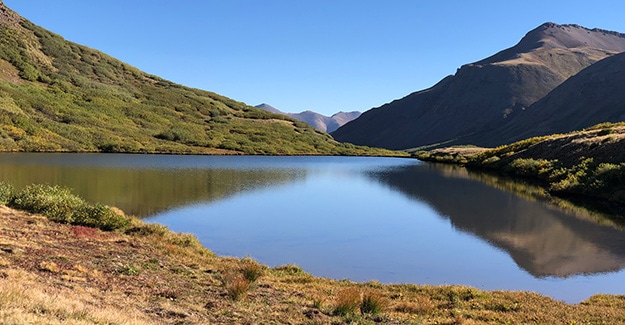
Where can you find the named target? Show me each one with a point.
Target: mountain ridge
(316, 120)
(486, 94)
(594, 95)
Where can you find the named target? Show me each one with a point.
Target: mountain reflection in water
(543, 239)
(141, 185)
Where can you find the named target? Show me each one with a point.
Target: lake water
(384, 219)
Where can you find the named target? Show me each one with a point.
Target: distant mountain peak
(550, 36)
(484, 95)
(318, 121)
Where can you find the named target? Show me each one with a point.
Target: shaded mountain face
(484, 95)
(56, 95)
(318, 121)
(595, 95)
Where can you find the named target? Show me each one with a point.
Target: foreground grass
(54, 272)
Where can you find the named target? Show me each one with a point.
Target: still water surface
(384, 219)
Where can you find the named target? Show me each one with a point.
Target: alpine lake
(363, 219)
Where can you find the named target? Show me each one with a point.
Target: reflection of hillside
(542, 239)
(531, 193)
(144, 192)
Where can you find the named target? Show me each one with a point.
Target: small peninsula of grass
(587, 164)
(57, 270)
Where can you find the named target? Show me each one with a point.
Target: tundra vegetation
(588, 165)
(58, 96)
(54, 269)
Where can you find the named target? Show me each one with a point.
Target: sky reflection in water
(392, 220)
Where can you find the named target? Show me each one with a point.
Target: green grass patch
(60, 205)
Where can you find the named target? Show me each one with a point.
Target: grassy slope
(588, 163)
(148, 275)
(56, 95)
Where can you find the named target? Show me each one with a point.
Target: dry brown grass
(49, 275)
(347, 301)
(419, 305)
(236, 284)
(25, 300)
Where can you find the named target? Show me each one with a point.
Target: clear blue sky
(321, 55)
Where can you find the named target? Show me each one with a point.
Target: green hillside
(587, 164)
(56, 95)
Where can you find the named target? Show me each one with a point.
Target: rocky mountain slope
(484, 95)
(318, 121)
(56, 95)
(595, 95)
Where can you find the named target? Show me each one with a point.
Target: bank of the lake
(586, 165)
(52, 272)
(364, 219)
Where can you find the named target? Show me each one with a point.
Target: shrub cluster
(60, 205)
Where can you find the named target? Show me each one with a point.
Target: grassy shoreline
(587, 166)
(138, 273)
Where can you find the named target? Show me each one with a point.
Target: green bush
(530, 167)
(6, 192)
(54, 202)
(60, 205)
(100, 216)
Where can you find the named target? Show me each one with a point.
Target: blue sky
(320, 55)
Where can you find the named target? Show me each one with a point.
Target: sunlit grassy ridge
(588, 163)
(56, 95)
(53, 272)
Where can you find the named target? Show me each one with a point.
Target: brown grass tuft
(251, 270)
(372, 303)
(236, 285)
(347, 301)
(420, 305)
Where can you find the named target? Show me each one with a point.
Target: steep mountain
(316, 120)
(484, 95)
(595, 95)
(56, 95)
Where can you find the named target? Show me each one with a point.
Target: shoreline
(158, 276)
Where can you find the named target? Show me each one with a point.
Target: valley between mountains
(549, 110)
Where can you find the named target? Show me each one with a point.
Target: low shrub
(100, 216)
(530, 167)
(148, 229)
(6, 193)
(289, 269)
(54, 202)
(60, 205)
